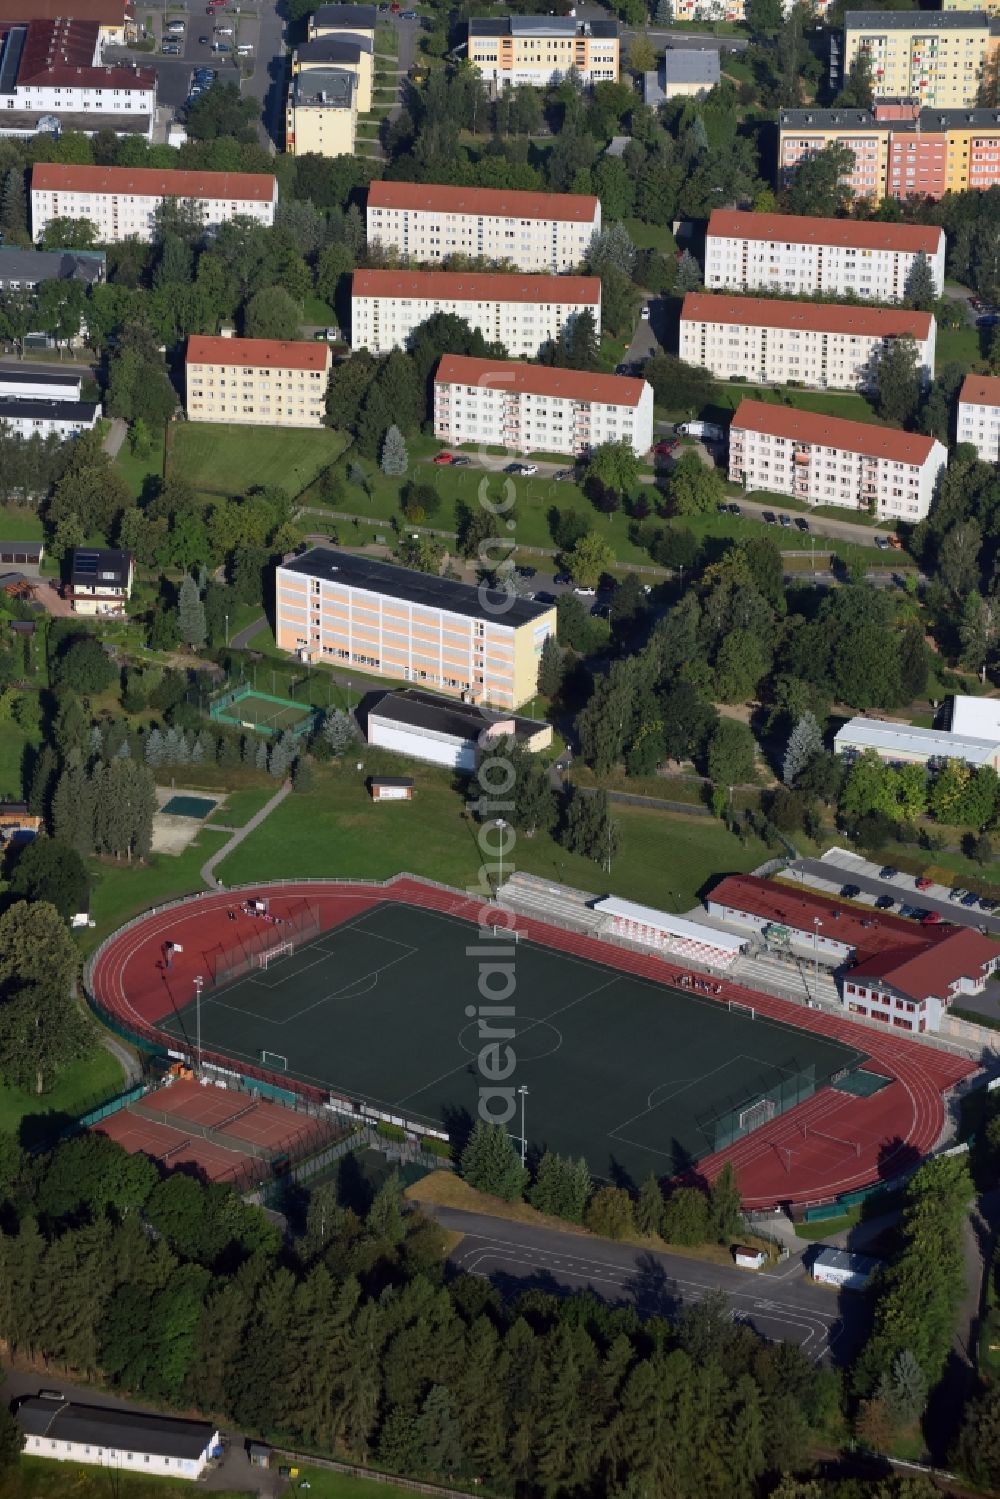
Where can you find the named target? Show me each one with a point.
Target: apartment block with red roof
(256, 381)
(531, 408)
(122, 202)
(425, 222)
(521, 312)
(826, 460)
(790, 253)
(887, 969)
(979, 415)
(827, 345)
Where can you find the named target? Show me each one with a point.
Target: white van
(244, 49)
(707, 430)
(223, 31)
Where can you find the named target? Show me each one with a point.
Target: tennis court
(263, 712)
(189, 806)
(634, 1076)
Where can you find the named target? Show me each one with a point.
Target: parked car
(526, 572)
(882, 543)
(562, 578)
(895, 543)
(527, 469)
(734, 509)
(802, 523)
(850, 892)
(970, 898)
(709, 430)
(666, 447)
(176, 28)
(408, 15)
(957, 893)
(786, 520)
(461, 461)
(171, 49)
(931, 919)
(644, 312)
(585, 593)
(221, 47)
(923, 882)
(204, 41)
(987, 903)
(769, 518)
(244, 49)
(887, 872)
(564, 473)
(884, 903)
(444, 458)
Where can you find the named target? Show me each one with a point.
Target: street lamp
(227, 631)
(524, 1138)
(503, 828)
(199, 981)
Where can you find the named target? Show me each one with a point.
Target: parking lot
(204, 29)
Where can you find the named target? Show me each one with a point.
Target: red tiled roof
(148, 182)
(257, 353)
(104, 12)
(866, 931)
(863, 234)
(51, 44)
(816, 317)
(981, 390)
(832, 432)
(958, 952)
(918, 961)
(434, 197)
(67, 77)
(537, 379)
(460, 286)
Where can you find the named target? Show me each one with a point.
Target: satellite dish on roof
(48, 125)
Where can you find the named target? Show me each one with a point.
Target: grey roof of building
(864, 119)
(416, 709)
(341, 47)
(364, 16)
(22, 122)
(691, 65)
(914, 20)
(330, 88)
(49, 411)
(94, 564)
(393, 581)
(28, 376)
(540, 26)
(35, 266)
(29, 550)
(122, 1431)
(392, 780)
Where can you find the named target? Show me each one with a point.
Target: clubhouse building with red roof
(532, 408)
(427, 222)
(828, 345)
(888, 969)
(523, 313)
(829, 460)
(786, 252)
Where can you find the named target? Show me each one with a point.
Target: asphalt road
(902, 890)
(782, 1304)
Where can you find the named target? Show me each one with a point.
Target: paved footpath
(208, 869)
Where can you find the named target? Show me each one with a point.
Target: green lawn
(844, 403)
(322, 1484)
(13, 743)
(651, 236)
(80, 1085)
(314, 310)
(18, 523)
(958, 344)
(661, 853)
(240, 806)
(123, 890)
(34, 1478)
(138, 472)
(231, 460)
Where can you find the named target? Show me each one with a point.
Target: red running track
(832, 1143)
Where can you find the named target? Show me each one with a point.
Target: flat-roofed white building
(844, 1271)
(826, 460)
(541, 50)
(521, 312)
(425, 222)
(532, 408)
(134, 1441)
(121, 202)
(904, 744)
(975, 717)
(799, 255)
(257, 381)
(979, 415)
(769, 342)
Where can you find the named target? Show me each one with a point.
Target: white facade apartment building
(825, 460)
(530, 408)
(826, 345)
(121, 202)
(534, 231)
(790, 253)
(979, 415)
(521, 312)
(257, 381)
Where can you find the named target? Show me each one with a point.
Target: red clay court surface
(175, 1148)
(807, 1155)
